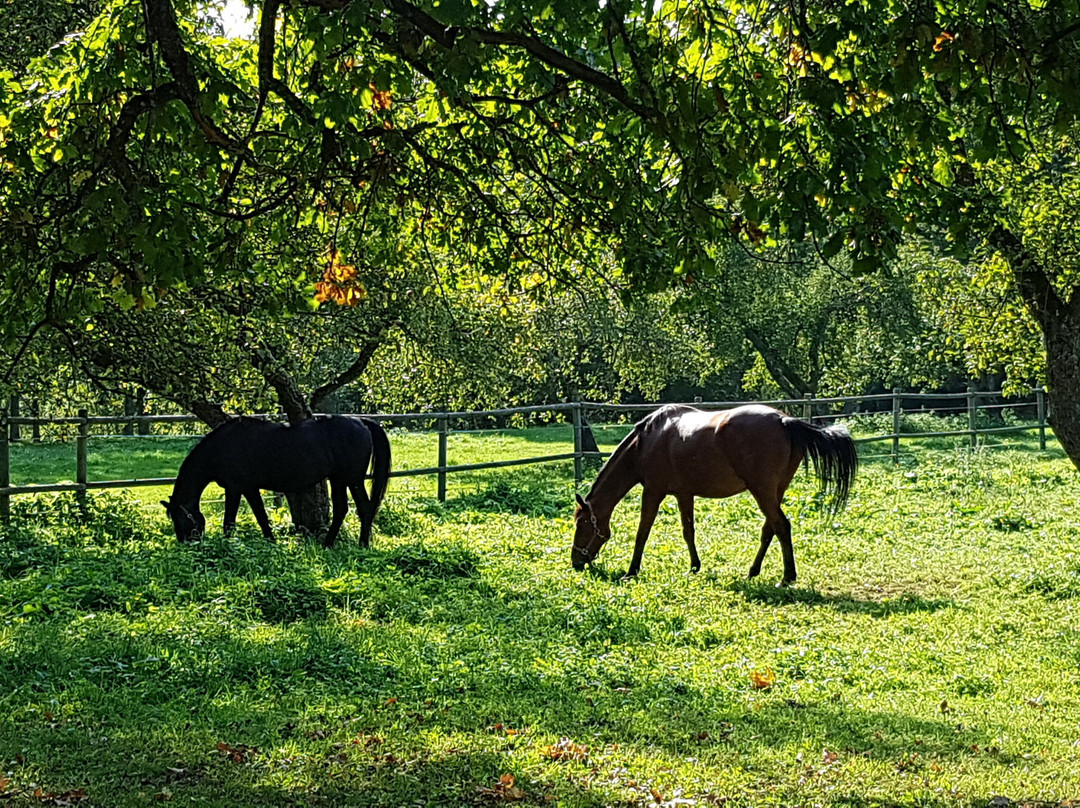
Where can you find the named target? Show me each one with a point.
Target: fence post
(444, 433)
(579, 472)
(972, 407)
(35, 412)
(896, 425)
(808, 407)
(129, 412)
(80, 455)
(5, 467)
(140, 410)
(1040, 402)
(14, 431)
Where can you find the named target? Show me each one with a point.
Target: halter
(597, 534)
(596, 527)
(191, 518)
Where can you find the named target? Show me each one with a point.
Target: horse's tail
(380, 463)
(834, 455)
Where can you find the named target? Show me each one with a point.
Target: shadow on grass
(904, 603)
(372, 703)
(528, 492)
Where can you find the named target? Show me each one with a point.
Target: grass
(928, 656)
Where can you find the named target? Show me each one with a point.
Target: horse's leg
(767, 534)
(686, 512)
(254, 499)
(650, 504)
(339, 500)
(776, 524)
(364, 510)
(232, 505)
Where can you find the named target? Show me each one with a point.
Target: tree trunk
(1059, 320)
(786, 377)
(1062, 340)
(310, 509)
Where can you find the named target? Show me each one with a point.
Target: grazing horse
(246, 455)
(690, 453)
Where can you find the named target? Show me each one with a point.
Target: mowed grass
(929, 654)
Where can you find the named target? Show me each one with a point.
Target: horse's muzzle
(579, 558)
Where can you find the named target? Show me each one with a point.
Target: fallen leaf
(505, 790)
(237, 754)
(565, 749)
(762, 680)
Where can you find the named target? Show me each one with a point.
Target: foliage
(984, 320)
(814, 328)
(149, 161)
(31, 27)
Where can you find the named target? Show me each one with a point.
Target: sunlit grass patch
(928, 655)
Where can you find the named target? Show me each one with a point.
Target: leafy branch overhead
(147, 155)
(521, 136)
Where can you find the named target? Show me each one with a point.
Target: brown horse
(690, 453)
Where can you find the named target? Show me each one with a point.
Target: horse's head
(187, 519)
(591, 531)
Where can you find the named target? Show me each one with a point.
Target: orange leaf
(762, 680)
(943, 41)
(565, 749)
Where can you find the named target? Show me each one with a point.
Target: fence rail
(807, 408)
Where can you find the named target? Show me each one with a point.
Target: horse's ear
(580, 501)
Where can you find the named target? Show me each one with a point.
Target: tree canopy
(537, 144)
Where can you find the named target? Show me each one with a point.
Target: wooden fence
(820, 409)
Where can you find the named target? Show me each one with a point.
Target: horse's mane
(646, 424)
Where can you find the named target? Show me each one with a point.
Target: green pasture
(929, 654)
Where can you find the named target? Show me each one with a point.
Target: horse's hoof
(784, 584)
(630, 575)
(753, 573)
(695, 569)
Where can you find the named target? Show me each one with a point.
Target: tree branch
(163, 29)
(447, 37)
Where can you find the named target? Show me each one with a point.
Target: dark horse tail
(380, 463)
(834, 455)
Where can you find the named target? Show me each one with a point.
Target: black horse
(246, 455)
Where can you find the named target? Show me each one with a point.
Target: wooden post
(15, 433)
(579, 473)
(140, 410)
(444, 434)
(81, 446)
(5, 467)
(1040, 402)
(129, 412)
(35, 412)
(896, 425)
(808, 407)
(973, 408)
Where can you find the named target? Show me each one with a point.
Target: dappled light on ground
(927, 655)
